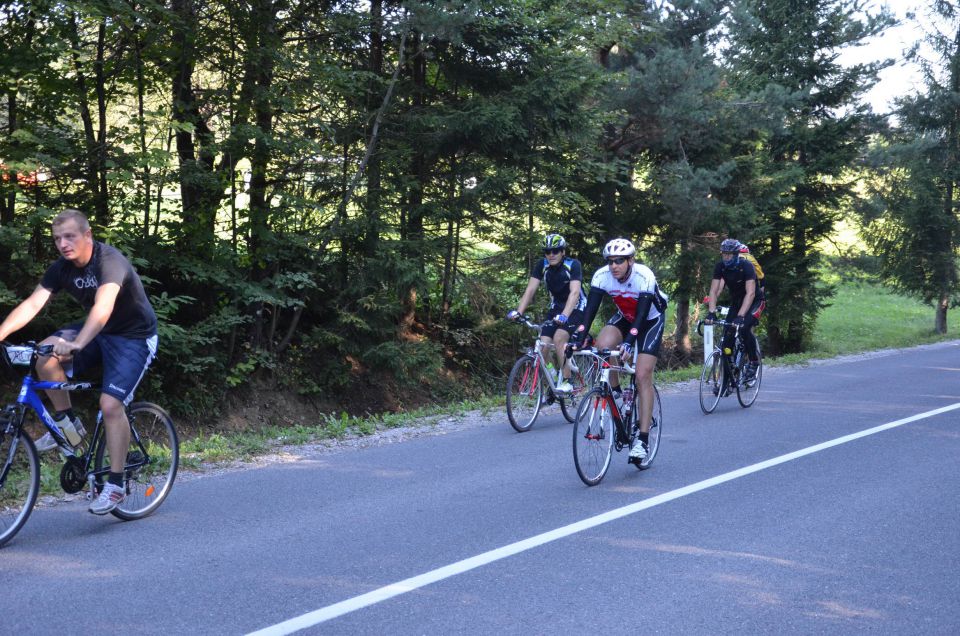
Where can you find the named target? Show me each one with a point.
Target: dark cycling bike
(151, 463)
(724, 371)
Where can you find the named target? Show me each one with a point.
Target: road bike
(530, 385)
(150, 467)
(602, 424)
(725, 371)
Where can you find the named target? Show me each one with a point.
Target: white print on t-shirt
(87, 282)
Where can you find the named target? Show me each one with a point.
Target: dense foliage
(340, 193)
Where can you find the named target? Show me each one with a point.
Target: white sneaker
(47, 443)
(565, 387)
(110, 497)
(638, 452)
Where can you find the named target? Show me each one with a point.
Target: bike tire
(524, 393)
(656, 428)
(21, 482)
(593, 436)
(712, 381)
(588, 368)
(747, 394)
(151, 430)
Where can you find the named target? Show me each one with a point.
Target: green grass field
(865, 316)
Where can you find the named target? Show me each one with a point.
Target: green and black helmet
(554, 241)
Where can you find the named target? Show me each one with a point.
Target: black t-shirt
(557, 280)
(132, 316)
(736, 278)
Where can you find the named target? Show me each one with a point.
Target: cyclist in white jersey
(638, 323)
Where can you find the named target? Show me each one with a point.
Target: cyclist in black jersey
(563, 278)
(746, 298)
(119, 334)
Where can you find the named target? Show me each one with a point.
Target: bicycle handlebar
(719, 322)
(14, 354)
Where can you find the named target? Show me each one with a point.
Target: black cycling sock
(116, 479)
(68, 413)
(643, 437)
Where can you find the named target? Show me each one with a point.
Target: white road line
(408, 585)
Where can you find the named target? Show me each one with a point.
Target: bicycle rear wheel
(585, 377)
(712, 381)
(653, 437)
(593, 434)
(19, 481)
(152, 460)
(524, 392)
(747, 391)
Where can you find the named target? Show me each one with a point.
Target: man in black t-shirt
(119, 334)
(746, 298)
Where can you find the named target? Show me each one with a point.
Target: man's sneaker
(639, 452)
(750, 373)
(110, 497)
(565, 387)
(47, 443)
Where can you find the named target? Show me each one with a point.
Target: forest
(341, 199)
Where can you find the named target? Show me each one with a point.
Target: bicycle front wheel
(711, 383)
(653, 437)
(152, 460)
(583, 379)
(19, 482)
(748, 390)
(593, 434)
(524, 392)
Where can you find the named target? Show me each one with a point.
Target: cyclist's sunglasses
(619, 260)
(552, 250)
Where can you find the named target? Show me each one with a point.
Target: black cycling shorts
(573, 322)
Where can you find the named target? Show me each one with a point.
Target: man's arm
(99, 315)
(527, 297)
(715, 286)
(573, 298)
(25, 311)
(748, 298)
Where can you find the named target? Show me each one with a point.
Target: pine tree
(913, 225)
(793, 44)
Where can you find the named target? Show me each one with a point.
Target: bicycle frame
(29, 398)
(536, 352)
(623, 432)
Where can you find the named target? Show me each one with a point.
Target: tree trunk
(263, 42)
(414, 225)
(371, 234)
(8, 188)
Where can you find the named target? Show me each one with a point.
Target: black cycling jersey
(557, 280)
(735, 278)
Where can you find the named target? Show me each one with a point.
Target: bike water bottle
(628, 398)
(69, 430)
(550, 371)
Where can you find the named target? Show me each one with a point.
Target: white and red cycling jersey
(625, 294)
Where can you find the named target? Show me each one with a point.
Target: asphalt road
(861, 535)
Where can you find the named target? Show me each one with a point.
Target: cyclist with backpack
(747, 298)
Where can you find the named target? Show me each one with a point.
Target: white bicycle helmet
(619, 247)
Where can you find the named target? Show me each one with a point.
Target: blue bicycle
(149, 470)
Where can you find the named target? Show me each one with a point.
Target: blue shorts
(124, 360)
